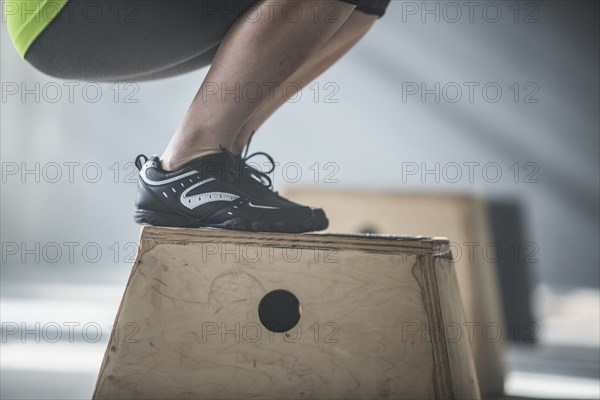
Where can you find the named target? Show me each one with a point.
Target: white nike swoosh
(258, 206)
(196, 200)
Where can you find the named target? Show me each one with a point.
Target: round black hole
(279, 310)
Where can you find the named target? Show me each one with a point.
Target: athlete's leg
(255, 52)
(343, 40)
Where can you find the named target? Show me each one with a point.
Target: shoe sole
(145, 217)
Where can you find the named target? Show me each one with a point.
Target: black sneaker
(215, 191)
(321, 221)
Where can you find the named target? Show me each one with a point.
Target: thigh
(116, 40)
(193, 64)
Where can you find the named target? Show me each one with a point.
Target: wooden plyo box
(379, 317)
(460, 217)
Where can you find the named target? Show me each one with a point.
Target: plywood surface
(192, 301)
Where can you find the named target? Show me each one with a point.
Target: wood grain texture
(460, 217)
(188, 324)
(456, 338)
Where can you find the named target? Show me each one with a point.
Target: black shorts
(137, 40)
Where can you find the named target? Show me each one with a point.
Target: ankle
(172, 161)
(237, 150)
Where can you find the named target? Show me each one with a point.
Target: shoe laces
(242, 166)
(263, 176)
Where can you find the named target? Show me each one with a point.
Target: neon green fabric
(26, 19)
